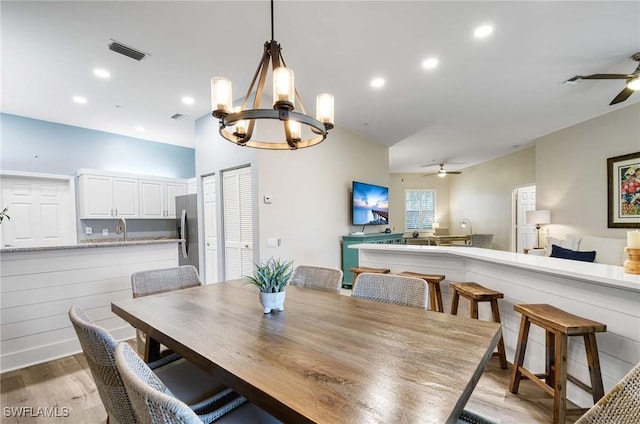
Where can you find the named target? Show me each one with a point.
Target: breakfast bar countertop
(602, 274)
(87, 245)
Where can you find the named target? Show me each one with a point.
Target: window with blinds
(419, 209)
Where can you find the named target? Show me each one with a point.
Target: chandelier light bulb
(634, 84)
(283, 88)
(324, 109)
(295, 129)
(221, 95)
(240, 128)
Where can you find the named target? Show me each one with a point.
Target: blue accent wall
(32, 145)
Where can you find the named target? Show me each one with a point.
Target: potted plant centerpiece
(271, 277)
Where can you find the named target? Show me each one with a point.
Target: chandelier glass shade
(238, 124)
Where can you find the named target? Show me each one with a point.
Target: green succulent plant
(4, 215)
(272, 275)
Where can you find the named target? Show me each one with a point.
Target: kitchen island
(599, 292)
(40, 284)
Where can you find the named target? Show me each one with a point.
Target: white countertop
(90, 245)
(608, 275)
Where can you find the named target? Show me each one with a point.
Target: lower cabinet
(350, 256)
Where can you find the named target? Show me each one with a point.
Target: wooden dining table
(326, 358)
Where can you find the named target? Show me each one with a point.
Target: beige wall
(310, 190)
(401, 182)
(311, 195)
(483, 194)
(571, 171)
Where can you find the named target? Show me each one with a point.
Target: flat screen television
(370, 204)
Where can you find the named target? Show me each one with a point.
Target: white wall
(571, 171)
(310, 190)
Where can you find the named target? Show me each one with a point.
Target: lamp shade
(541, 216)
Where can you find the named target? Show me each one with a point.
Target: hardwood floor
(64, 390)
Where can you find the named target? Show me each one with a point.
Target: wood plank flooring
(65, 387)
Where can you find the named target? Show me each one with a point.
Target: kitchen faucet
(121, 227)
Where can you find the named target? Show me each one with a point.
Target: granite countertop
(93, 244)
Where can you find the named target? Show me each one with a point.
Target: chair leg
(496, 318)
(523, 336)
(560, 383)
(432, 298)
(550, 358)
(454, 303)
(593, 360)
(439, 297)
(473, 313)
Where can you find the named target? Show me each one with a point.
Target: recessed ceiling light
(101, 73)
(377, 82)
(188, 100)
(140, 129)
(483, 31)
(430, 63)
(79, 99)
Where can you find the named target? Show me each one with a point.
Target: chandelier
(238, 124)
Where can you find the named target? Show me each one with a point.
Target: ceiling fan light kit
(442, 172)
(237, 124)
(632, 84)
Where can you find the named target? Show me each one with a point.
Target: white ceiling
(485, 99)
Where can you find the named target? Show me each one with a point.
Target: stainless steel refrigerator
(187, 222)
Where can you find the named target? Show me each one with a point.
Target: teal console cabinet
(350, 256)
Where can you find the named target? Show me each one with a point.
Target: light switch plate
(273, 242)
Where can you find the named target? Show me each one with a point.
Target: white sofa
(609, 251)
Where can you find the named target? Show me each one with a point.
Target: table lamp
(538, 218)
(464, 223)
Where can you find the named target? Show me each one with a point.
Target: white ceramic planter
(271, 301)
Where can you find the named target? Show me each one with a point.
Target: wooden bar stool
(435, 294)
(362, 269)
(477, 293)
(558, 325)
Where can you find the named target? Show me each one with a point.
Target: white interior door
(210, 229)
(40, 210)
(237, 195)
(525, 234)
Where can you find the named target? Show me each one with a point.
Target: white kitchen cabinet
(158, 198)
(104, 196)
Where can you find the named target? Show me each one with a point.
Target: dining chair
(317, 278)
(620, 405)
(185, 380)
(155, 281)
(482, 240)
(391, 288)
(154, 403)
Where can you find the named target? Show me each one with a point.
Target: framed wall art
(623, 192)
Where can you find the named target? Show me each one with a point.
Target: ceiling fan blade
(606, 76)
(454, 172)
(622, 96)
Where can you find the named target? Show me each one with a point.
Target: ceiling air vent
(127, 51)
(178, 116)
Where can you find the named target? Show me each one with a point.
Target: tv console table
(350, 256)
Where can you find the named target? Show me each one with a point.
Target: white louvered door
(237, 195)
(210, 229)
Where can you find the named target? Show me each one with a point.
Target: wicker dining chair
(390, 288)
(146, 283)
(317, 278)
(184, 379)
(154, 403)
(620, 405)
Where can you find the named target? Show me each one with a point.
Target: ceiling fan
(633, 81)
(442, 172)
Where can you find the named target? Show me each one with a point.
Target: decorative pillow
(571, 243)
(560, 252)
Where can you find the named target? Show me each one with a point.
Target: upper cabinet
(158, 198)
(104, 195)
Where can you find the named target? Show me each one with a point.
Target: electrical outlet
(105, 232)
(88, 230)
